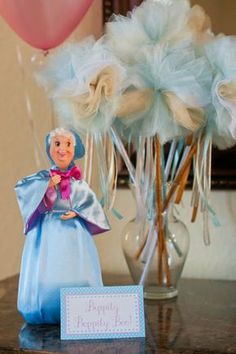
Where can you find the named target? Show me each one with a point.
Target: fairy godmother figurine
(60, 214)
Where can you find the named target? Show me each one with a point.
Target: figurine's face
(62, 151)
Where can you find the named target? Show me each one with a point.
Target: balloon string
(37, 147)
(38, 152)
(52, 116)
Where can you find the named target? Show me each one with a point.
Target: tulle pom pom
(180, 87)
(84, 81)
(221, 54)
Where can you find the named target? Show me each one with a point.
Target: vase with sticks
(156, 248)
(159, 273)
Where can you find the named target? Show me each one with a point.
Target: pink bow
(65, 188)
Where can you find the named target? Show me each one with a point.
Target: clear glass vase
(140, 247)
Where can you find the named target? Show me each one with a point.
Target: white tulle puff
(85, 81)
(157, 23)
(181, 89)
(221, 54)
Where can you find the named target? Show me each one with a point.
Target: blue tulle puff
(84, 81)
(186, 78)
(152, 23)
(221, 54)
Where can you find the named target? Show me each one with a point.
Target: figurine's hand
(69, 215)
(56, 179)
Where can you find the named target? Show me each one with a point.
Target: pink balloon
(44, 23)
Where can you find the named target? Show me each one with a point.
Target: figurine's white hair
(61, 132)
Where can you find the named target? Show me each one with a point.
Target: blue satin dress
(57, 253)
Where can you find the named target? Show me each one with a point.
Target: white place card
(102, 312)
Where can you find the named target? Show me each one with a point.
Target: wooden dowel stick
(182, 185)
(179, 176)
(194, 213)
(140, 250)
(162, 250)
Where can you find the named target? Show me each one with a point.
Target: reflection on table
(201, 320)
